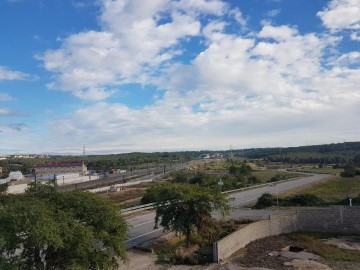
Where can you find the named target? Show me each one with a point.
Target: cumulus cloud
(137, 39)
(355, 36)
(341, 14)
(264, 88)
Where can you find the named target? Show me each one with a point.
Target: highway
(142, 226)
(248, 196)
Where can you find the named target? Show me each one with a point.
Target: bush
(349, 171)
(302, 200)
(254, 180)
(265, 200)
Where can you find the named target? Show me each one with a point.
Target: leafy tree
(244, 169)
(52, 230)
(3, 188)
(180, 177)
(349, 171)
(254, 180)
(185, 208)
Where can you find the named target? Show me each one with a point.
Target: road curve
(142, 226)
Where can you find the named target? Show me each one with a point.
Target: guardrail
(135, 209)
(140, 208)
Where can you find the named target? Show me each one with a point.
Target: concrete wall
(343, 219)
(321, 219)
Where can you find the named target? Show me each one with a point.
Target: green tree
(349, 171)
(186, 208)
(52, 230)
(3, 188)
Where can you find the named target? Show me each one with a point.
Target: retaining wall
(322, 219)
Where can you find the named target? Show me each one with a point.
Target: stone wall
(321, 219)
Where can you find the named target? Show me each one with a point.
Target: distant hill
(325, 153)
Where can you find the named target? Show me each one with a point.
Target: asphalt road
(142, 226)
(245, 197)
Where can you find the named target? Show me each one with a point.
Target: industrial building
(43, 170)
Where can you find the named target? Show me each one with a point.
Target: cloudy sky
(162, 75)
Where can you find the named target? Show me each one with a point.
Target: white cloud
(5, 97)
(7, 74)
(137, 38)
(278, 33)
(273, 12)
(266, 88)
(341, 14)
(355, 36)
(349, 59)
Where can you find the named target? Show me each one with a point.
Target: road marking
(137, 225)
(145, 234)
(139, 216)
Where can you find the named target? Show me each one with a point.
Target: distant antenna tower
(231, 152)
(84, 150)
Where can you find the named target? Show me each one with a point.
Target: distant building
(60, 168)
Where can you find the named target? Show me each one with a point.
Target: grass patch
(267, 176)
(200, 251)
(312, 242)
(336, 188)
(316, 169)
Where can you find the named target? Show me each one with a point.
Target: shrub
(265, 200)
(302, 200)
(349, 171)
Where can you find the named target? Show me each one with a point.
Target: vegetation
(335, 189)
(313, 243)
(339, 153)
(45, 229)
(185, 208)
(349, 171)
(267, 200)
(201, 249)
(335, 153)
(128, 161)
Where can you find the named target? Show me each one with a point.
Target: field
(334, 189)
(265, 175)
(316, 169)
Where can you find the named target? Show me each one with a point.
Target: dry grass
(266, 175)
(335, 188)
(312, 242)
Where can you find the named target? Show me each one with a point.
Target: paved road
(248, 196)
(142, 229)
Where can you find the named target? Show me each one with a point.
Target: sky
(142, 76)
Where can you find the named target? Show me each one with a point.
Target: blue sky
(161, 75)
